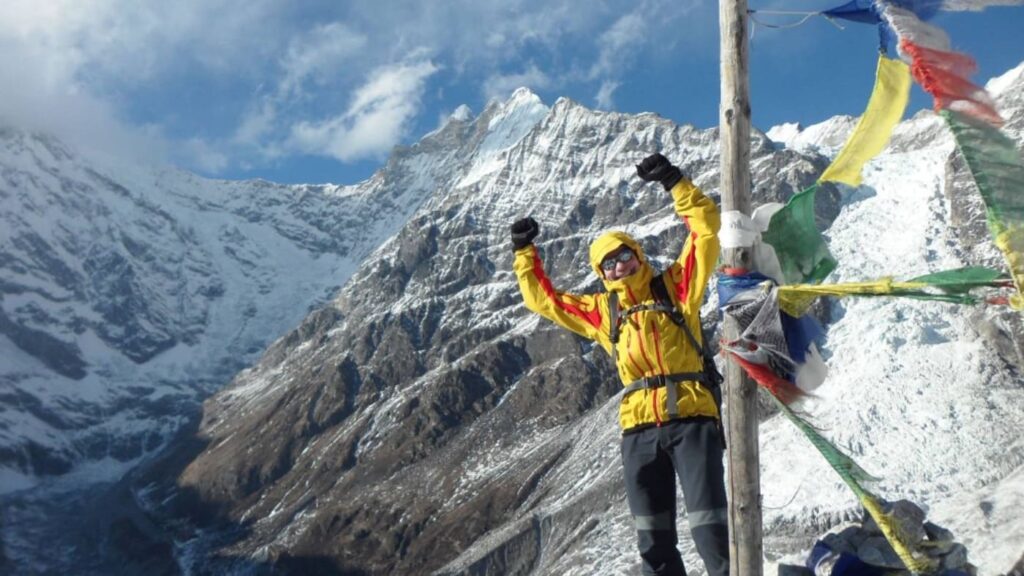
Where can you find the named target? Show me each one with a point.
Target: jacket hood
(608, 243)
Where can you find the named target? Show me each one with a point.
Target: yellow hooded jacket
(649, 342)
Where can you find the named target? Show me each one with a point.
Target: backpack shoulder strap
(660, 292)
(613, 323)
(613, 316)
(712, 379)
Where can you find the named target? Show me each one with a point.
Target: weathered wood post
(744, 480)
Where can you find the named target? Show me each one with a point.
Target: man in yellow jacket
(668, 413)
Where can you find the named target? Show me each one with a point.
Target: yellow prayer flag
(885, 109)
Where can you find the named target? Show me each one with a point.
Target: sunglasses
(608, 264)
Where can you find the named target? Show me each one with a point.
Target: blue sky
(321, 90)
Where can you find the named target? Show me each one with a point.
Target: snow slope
(130, 293)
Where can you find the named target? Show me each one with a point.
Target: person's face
(620, 263)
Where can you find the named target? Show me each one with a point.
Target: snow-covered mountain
(422, 421)
(129, 294)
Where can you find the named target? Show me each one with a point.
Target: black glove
(523, 232)
(657, 168)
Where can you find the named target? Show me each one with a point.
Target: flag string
(806, 16)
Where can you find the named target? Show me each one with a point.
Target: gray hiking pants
(652, 458)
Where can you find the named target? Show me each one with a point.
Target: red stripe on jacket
(593, 317)
(683, 287)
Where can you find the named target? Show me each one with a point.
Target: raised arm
(689, 274)
(578, 313)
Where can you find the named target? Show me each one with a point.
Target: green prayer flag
(961, 279)
(803, 255)
(998, 170)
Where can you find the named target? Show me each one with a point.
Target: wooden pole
(745, 547)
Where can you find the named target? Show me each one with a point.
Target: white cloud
(113, 71)
(604, 95)
(138, 40)
(375, 121)
(40, 59)
(618, 44)
(65, 65)
(256, 124)
(44, 101)
(199, 153)
(318, 58)
(318, 55)
(501, 85)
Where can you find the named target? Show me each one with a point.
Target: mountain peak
(522, 95)
(462, 114)
(1006, 82)
(826, 137)
(513, 119)
(784, 134)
